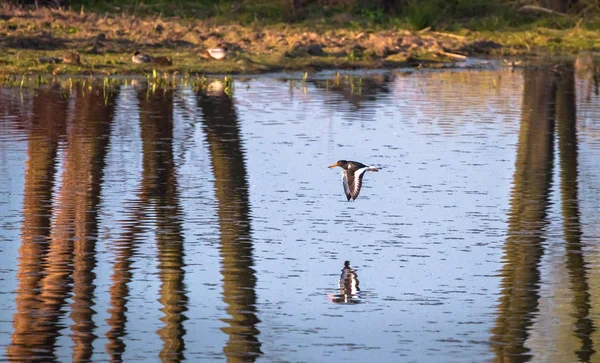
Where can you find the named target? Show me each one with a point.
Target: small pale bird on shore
(352, 176)
(140, 58)
(218, 52)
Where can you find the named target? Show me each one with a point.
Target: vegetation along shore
(254, 36)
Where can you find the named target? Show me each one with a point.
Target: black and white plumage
(352, 176)
(349, 292)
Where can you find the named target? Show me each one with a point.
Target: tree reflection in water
(59, 239)
(223, 134)
(548, 112)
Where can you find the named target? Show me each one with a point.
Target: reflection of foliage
(348, 80)
(228, 86)
(465, 92)
(356, 89)
(156, 81)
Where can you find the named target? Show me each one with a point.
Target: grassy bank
(106, 36)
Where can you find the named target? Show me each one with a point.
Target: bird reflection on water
(349, 292)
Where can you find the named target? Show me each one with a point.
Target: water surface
(151, 224)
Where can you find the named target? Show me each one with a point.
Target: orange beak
(333, 166)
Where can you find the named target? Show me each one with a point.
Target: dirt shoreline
(50, 41)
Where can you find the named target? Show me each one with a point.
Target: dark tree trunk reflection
(33, 337)
(567, 145)
(159, 185)
(528, 210)
(84, 171)
(58, 247)
(239, 281)
(158, 192)
(548, 95)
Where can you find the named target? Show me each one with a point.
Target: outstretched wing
(346, 180)
(355, 182)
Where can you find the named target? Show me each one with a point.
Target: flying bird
(352, 176)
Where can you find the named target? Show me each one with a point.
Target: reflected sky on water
(185, 224)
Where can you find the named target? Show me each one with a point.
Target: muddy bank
(59, 41)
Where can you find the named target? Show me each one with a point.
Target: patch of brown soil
(94, 34)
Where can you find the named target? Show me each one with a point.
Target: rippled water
(149, 225)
